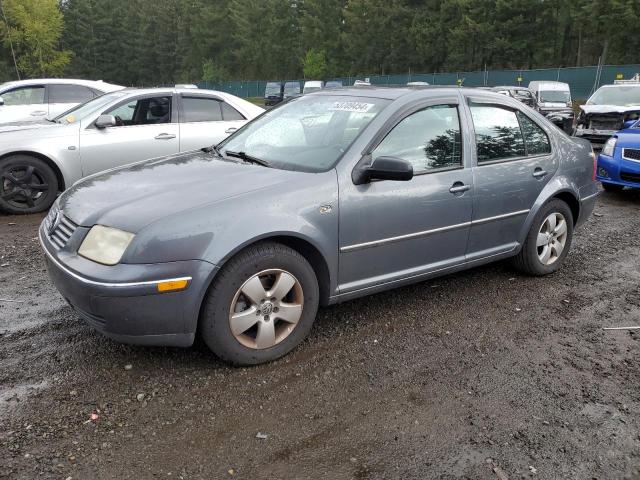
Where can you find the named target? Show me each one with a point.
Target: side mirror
(104, 121)
(1, 101)
(383, 168)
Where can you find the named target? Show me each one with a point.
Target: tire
(529, 259)
(27, 184)
(280, 263)
(612, 187)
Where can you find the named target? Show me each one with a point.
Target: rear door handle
(539, 173)
(230, 130)
(459, 187)
(38, 113)
(165, 136)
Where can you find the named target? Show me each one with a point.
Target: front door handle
(38, 113)
(539, 173)
(230, 130)
(459, 187)
(165, 136)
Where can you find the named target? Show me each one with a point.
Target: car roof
(73, 81)
(389, 93)
(510, 87)
(618, 85)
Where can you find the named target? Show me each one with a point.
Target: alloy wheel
(266, 309)
(552, 238)
(23, 186)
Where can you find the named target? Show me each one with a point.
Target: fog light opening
(602, 172)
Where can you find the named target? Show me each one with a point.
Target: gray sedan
(39, 160)
(329, 197)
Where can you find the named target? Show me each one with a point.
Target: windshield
(78, 112)
(292, 87)
(272, 89)
(555, 96)
(308, 134)
(622, 96)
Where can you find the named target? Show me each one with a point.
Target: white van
(312, 86)
(554, 101)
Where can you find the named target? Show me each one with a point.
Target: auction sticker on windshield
(359, 107)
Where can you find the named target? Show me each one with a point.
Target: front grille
(630, 177)
(604, 123)
(59, 229)
(631, 154)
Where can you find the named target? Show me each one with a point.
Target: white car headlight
(609, 146)
(105, 245)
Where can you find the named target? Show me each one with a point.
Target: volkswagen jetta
(328, 197)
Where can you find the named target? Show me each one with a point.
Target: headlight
(105, 245)
(609, 146)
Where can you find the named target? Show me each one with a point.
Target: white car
(37, 161)
(33, 100)
(312, 86)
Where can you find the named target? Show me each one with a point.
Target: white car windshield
(619, 95)
(555, 96)
(308, 134)
(78, 112)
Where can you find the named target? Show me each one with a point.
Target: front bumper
(597, 137)
(122, 301)
(618, 171)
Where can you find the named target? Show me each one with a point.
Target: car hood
(589, 109)
(14, 126)
(137, 195)
(628, 138)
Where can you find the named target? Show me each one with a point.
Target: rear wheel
(612, 187)
(27, 184)
(261, 305)
(548, 241)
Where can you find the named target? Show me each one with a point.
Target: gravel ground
(486, 374)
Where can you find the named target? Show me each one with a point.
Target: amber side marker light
(172, 285)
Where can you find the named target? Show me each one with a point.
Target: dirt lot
(485, 374)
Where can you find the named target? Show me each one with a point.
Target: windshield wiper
(247, 158)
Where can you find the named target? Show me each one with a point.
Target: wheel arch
(565, 194)
(570, 199)
(303, 245)
(53, 165)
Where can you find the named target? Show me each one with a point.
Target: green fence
(582, 80)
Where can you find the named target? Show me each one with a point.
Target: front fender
(63, 153)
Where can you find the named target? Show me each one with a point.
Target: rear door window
(498, 134)
(536, 140)
(24, 96)
(229, 113)
(199, 109)
(69, 94)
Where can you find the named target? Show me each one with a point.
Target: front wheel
(548, 241)
(27, 184)
(261, 305)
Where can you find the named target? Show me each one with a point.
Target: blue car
(619, 161)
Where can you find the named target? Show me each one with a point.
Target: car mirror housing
(384, 168)
(104, 121)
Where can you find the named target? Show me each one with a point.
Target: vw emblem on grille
(53, 224)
